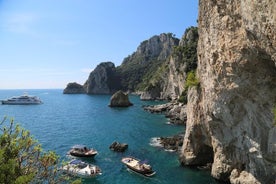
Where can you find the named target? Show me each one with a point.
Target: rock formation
(175, 111)
(230, 120)
(120, 99)
(118, 147)
(73, 88)
(140, 67)
(167, 81)
(103, 80)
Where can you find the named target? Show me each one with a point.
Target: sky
(45, 44)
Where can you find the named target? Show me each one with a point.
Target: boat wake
(155, 142)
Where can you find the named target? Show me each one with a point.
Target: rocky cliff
(168, 80)
(138, 68)
(182, 61)
(103, 80)
(230, 120)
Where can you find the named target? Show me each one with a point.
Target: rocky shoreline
(175, 111)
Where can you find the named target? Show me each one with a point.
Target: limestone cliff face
(138, 68)
(230, 115)
(179, 64)
(103, 80)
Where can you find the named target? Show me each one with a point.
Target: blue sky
(49, 43)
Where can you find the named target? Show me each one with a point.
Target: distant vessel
(81, 169)
(24, 99)
(138, 166)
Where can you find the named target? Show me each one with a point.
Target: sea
(66, 120)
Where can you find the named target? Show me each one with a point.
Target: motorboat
(82, 151)
(81, 169)
(138, 166)
(24, 99)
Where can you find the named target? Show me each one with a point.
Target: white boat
(138, 166)
(24, 99)
(82, 151)
(81, 169)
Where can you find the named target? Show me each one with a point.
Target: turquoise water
(65, 120)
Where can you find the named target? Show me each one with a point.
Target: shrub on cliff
(191, 80)
(22, 159)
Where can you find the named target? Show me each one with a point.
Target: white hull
(81, 169)
(22, 100)
(5, 102)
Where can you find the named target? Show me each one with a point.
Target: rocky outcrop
(171, 144)
(230, 120)
(118, 147)
(175, 111)
(120, 99)
(103, 80)
(74, 88)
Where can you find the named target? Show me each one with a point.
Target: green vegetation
(186, 53)
(22, 159)
(191, 80)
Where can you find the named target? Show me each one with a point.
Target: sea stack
(74, 88)
(120, 99)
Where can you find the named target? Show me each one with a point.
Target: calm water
(64, 120)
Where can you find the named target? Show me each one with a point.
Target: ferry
(24, 99)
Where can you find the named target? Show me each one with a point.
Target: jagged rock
(149, 55)
(158, 108)
(230, 114)
(119, 147)
(172, 143)
(120, 99)
(73, 88)
(175, 111)
(103, 80)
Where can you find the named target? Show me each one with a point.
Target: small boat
(81, 169)
(138, 166)
(24, 99)
(82, 151)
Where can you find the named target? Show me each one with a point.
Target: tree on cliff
(22, 159)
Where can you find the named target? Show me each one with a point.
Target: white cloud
(20, 23)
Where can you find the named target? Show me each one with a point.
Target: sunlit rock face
(230, 119)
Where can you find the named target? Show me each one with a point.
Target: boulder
(120, 99)
(119, 147)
